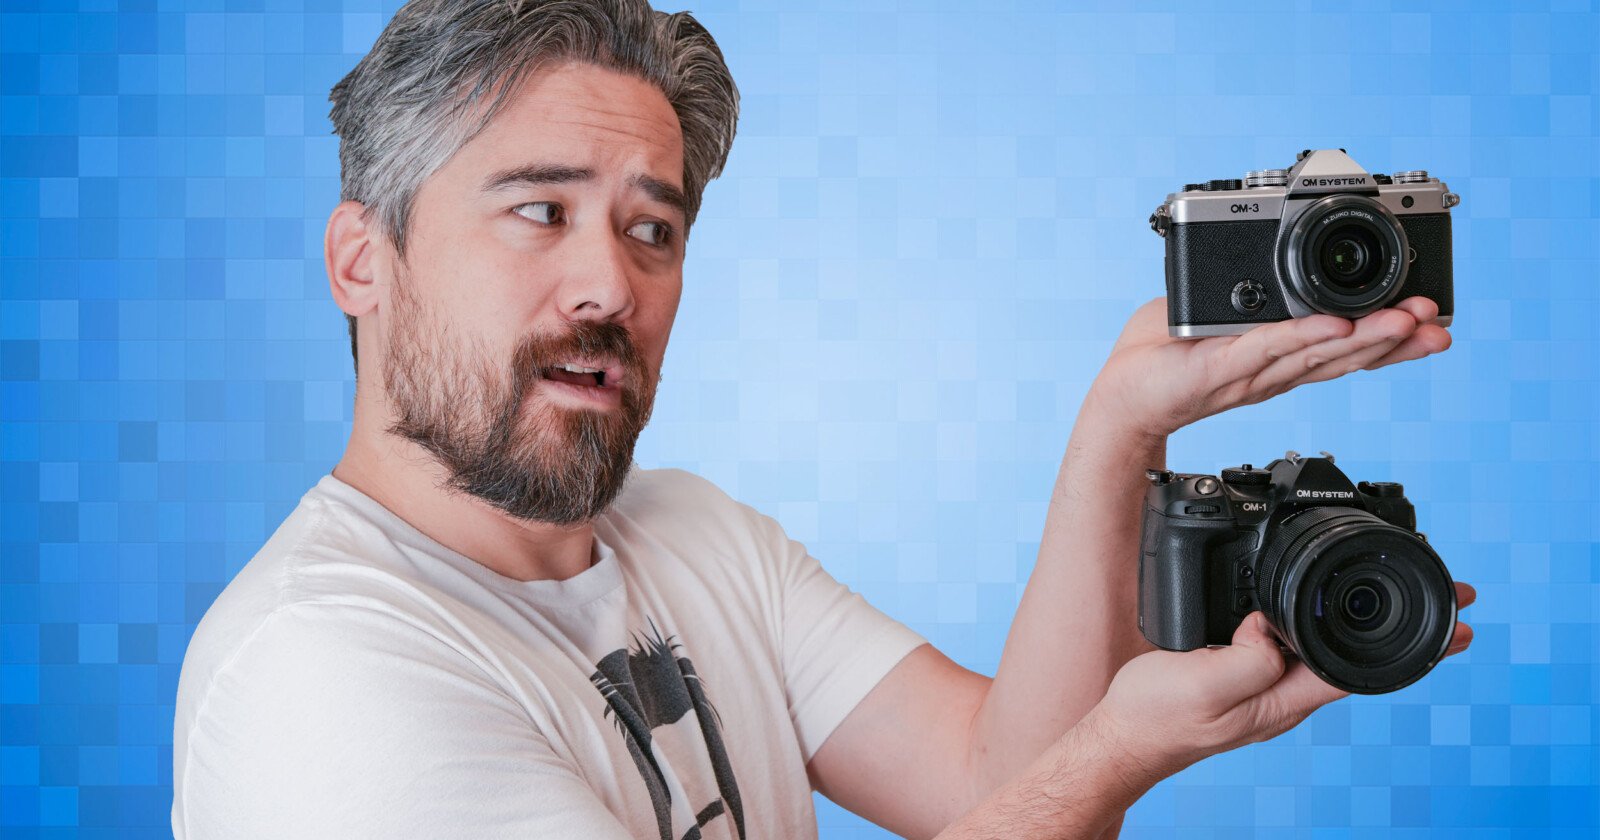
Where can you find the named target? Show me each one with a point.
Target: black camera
(1322, 236)
(1339, 569)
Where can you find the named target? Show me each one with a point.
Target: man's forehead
(588, 117)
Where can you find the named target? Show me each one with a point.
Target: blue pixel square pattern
(955, 191)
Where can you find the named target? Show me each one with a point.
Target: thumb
(1253, 662)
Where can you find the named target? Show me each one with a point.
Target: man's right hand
(1170, 709)
(1164, 711)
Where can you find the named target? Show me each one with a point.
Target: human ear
(350, 248)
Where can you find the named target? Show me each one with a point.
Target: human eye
(543, 212)
(654, 233)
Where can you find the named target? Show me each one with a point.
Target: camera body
(1338, 568)
(1323, 236)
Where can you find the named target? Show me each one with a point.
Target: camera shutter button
(1205, 486)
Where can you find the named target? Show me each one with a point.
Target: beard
(544, 463)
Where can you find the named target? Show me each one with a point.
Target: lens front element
(1363, 605)
(1350, 258)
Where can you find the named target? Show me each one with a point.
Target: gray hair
(419, 95)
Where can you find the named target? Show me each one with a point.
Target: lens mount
(1344, 255)
(1368, 606)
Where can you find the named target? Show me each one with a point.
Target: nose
(598, 285)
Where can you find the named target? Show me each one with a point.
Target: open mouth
(581, 376)
(596, 374)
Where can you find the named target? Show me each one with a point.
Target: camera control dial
(1248, 296)
(1266, 178)
(1246, 476)
(1383, 489)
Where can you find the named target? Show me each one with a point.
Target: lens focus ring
(1367, 605)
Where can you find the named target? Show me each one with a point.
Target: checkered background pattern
(930, 231)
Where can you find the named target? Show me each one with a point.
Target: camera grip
(1431, 274)
(1173, 578)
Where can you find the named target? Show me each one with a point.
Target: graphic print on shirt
(647, 687)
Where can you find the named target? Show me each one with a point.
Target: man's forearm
(1075, 789)
(1077, 623)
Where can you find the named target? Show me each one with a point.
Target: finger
(1427, 340)
(1253, 662)
(1255, 350)
(1336, 368)
(1296, 694)
(1460, 639)
(1424, 309)
(1465, 595)
(1386, 327)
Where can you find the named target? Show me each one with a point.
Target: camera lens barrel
(1344, 255)
(1367, 605)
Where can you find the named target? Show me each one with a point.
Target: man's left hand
(1159, 384)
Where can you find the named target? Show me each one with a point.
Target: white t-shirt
(357, 679)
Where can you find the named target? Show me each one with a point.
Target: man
(487, 622)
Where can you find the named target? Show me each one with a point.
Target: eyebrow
(661, 191)
(551, 173)
(534, 174)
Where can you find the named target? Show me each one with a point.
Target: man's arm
(1077, 787)
(962, 735)
(1077, 623)
(1162, 712)
(933, 739)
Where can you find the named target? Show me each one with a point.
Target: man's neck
(406, 480)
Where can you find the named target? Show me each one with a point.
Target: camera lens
(1343, 255)
(1368, 606)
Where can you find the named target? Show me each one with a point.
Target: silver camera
(1324, 236)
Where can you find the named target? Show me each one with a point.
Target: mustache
(584, 339)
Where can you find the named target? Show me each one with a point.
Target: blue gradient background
(931, 228)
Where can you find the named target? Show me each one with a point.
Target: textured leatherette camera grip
(1205, 260)
(1172, 578)
(1431, 274)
